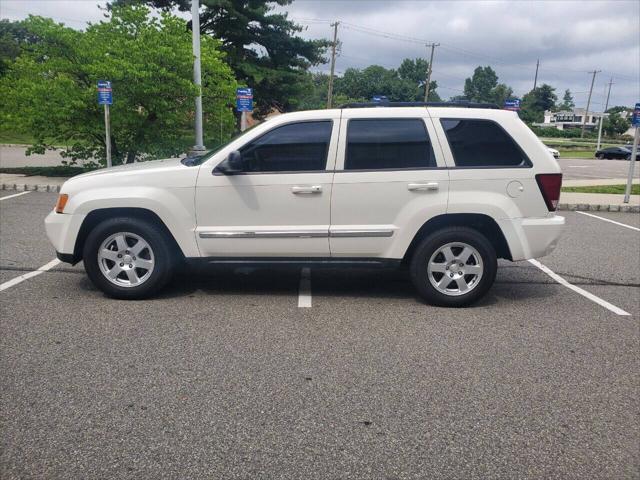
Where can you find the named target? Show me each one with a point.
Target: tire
(601, 156)
(478, 271)
(628, 157)
(153, 267)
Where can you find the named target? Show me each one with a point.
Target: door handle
(431, 186)
(298, 190)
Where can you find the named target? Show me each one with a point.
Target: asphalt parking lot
(226, 376)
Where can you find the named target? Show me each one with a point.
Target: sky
(570, 38)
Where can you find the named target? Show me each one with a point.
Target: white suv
(443, 189)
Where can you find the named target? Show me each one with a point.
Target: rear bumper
(62, 230)
(532, 237)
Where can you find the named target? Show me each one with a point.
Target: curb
(580, 207)
(22, 187)
(585, 207)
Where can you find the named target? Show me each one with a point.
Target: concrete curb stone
(21, 187)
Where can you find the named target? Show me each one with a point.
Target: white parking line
(15, 195)
(610, 221)
(26, 276)
(304, 292)
(584, 293)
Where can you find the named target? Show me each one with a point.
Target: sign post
(244, 104)
(635, 121)
(105, 97)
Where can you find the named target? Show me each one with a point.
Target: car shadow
(374, 283)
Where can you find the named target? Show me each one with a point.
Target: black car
(623, 153)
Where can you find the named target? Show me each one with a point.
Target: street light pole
(195, 30)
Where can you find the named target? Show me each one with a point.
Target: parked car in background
(443, 190)
(621, 153)
(554, 152)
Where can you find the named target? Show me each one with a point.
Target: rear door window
(482, 143)
(388, 144)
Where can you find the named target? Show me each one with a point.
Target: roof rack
(459, 104)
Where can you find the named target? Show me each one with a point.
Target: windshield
(198, 160)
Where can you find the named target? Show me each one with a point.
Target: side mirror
(231, 165)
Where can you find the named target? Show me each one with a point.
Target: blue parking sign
(244, 99)
(105, 96)
(635, 119)
(512, 104)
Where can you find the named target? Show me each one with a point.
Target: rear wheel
(128, 258)
(601, 156)
(453, 267)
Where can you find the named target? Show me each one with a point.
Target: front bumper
(532, 237)
(62, 230)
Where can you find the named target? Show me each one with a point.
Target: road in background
(581, 168)
(14, 156)
(223, 375)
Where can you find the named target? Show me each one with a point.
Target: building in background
(571, 119)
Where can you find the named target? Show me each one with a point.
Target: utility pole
(333, 63)
(586, 113)
(535, 80)
(198, 148)
(429, 70)
(606, 105)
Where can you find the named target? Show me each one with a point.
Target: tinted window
(388, 144)
(294, 147)
(482, 143)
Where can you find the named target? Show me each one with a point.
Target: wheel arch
(478, 221)
(96, 216)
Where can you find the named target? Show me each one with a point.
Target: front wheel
(128, 258)
(453, 267)
(601, 156)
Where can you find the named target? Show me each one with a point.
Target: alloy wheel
(126, 259)
(455, 269)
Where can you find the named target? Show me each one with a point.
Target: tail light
(550, 184)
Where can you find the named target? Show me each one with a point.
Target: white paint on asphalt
(26, 276)
(610, 221)
(15, 195)
(584, 293)
(304, 292)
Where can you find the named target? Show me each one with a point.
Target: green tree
(50, 90)
(567, 101)
(479, 86)
(536, 102)
(403, 85)
(614, 124)
(483, 86)
(619, 109)
(414, 73)
(14, 36)
(262, 47)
